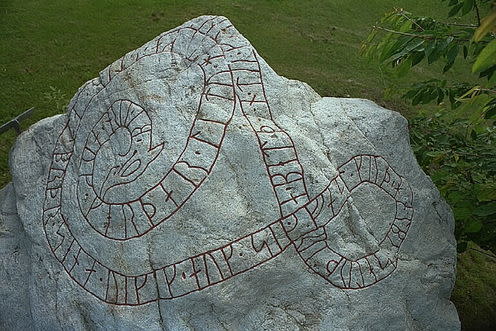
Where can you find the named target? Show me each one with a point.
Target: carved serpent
(123, 133)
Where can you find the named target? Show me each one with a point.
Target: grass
(48, 48)
(475, 289)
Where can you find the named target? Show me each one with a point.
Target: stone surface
(191, 187)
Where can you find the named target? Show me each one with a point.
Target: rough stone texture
(191, 187)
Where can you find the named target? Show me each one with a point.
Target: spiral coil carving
(120, 149)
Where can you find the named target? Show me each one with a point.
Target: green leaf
(417, 58)
(430, 47)
(489, 74)
(439, 48)
(403, 68)
(463, 212)
(468, 5)
(473, 106)
(407, 49)
(486, 58)
(487, 24)
(473, 226)
(492, 78)
(451, 96)
(489, 114)
(485, 192)
(448, 66)
(456, 197)
(451, 55)
(372, 35)
(410, 94)
(418, 97)
(390, 45)
(486, 210)
(455, 9)
(429, 95)
(452, 52)
(406, 26)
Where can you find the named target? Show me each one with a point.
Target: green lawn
(48, 48)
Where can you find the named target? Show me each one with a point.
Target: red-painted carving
(232, 76)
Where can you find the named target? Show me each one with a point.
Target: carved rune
(119, 150)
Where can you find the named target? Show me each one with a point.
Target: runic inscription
(232, 78)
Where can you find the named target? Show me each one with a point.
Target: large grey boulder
(191, 187)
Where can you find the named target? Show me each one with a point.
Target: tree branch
(486, 90)
(402, 12)
(472, 26)
(426, 37)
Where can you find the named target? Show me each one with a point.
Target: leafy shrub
(456, 144)
(463, 167)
